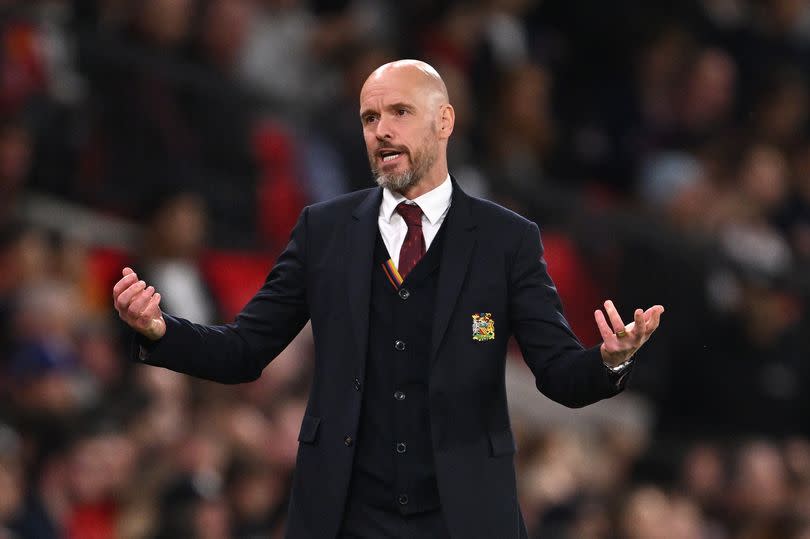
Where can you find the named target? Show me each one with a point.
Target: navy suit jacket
(492, 262)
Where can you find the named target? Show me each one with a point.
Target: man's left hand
(620, 342)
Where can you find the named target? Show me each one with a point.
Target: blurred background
(662, 146)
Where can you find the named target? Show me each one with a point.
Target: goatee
(396, 182)
(422, 161)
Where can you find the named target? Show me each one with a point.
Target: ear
(447, 121)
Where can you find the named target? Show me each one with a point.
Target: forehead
(385, 88)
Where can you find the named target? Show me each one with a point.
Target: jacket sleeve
(238, 352)
(564, 370)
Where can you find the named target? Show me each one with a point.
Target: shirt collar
(433, 203)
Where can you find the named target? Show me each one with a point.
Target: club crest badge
(483, 327)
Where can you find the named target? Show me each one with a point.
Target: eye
(402, 112)
(369, 118)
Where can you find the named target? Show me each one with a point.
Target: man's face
(399, 117)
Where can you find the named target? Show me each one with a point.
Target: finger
(604, 328)
(629, 327)
(153, 307)
(127, 295)
(151, 323)
(124, 283)
(139, 303)
(613, 315)
(152, 312)
(639, 325)
(127, 271)
(654, 317)
(137, 306)
(653, 311)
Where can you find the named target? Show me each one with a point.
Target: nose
(383, 129)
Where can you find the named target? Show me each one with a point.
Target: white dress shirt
(434, 205)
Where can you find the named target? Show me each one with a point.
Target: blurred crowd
(663, 147)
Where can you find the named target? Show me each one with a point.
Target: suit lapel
(458, 246)
(360, 242)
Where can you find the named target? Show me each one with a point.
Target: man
(413, 290)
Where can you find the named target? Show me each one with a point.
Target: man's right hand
(139, 306)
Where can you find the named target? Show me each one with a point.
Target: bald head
(415, 74)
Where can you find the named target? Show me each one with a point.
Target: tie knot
(412, 213)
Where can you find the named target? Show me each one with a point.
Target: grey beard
(400, 182)
(396, 182)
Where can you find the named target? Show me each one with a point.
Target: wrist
(615, 359)
(155, 330)
(618, 368)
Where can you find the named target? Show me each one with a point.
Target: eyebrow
(392, 106)
(401, 105)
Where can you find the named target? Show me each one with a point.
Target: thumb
(156, 327)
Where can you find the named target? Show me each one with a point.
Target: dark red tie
(413, 248)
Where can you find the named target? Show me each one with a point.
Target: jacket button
(399, 345)
(402, 499)
(404, 293)
(357, 384)
(401, 447)
(348, 441)
(399, 395)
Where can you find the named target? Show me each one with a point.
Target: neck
(426, 184)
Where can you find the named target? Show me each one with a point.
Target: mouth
(389, 156)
